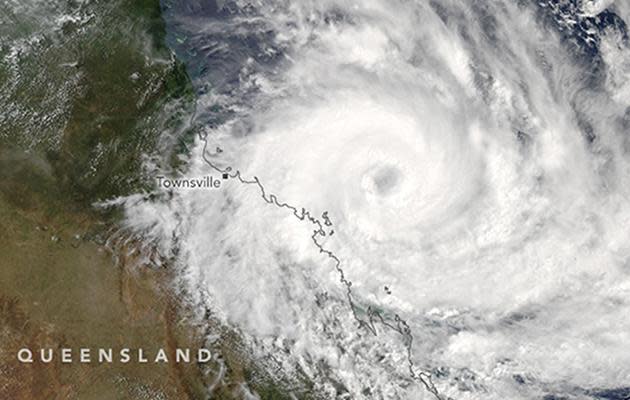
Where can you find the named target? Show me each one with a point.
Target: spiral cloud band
(473, 161)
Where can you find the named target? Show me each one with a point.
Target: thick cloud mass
(473, 159)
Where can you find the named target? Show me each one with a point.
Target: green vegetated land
(82, 85)
(80, 99)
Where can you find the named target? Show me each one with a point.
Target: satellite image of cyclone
(346, 199)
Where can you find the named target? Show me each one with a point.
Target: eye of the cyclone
(381, 180)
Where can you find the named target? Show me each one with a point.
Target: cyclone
(459, 166)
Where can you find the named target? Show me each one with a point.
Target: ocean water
(426, 199)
